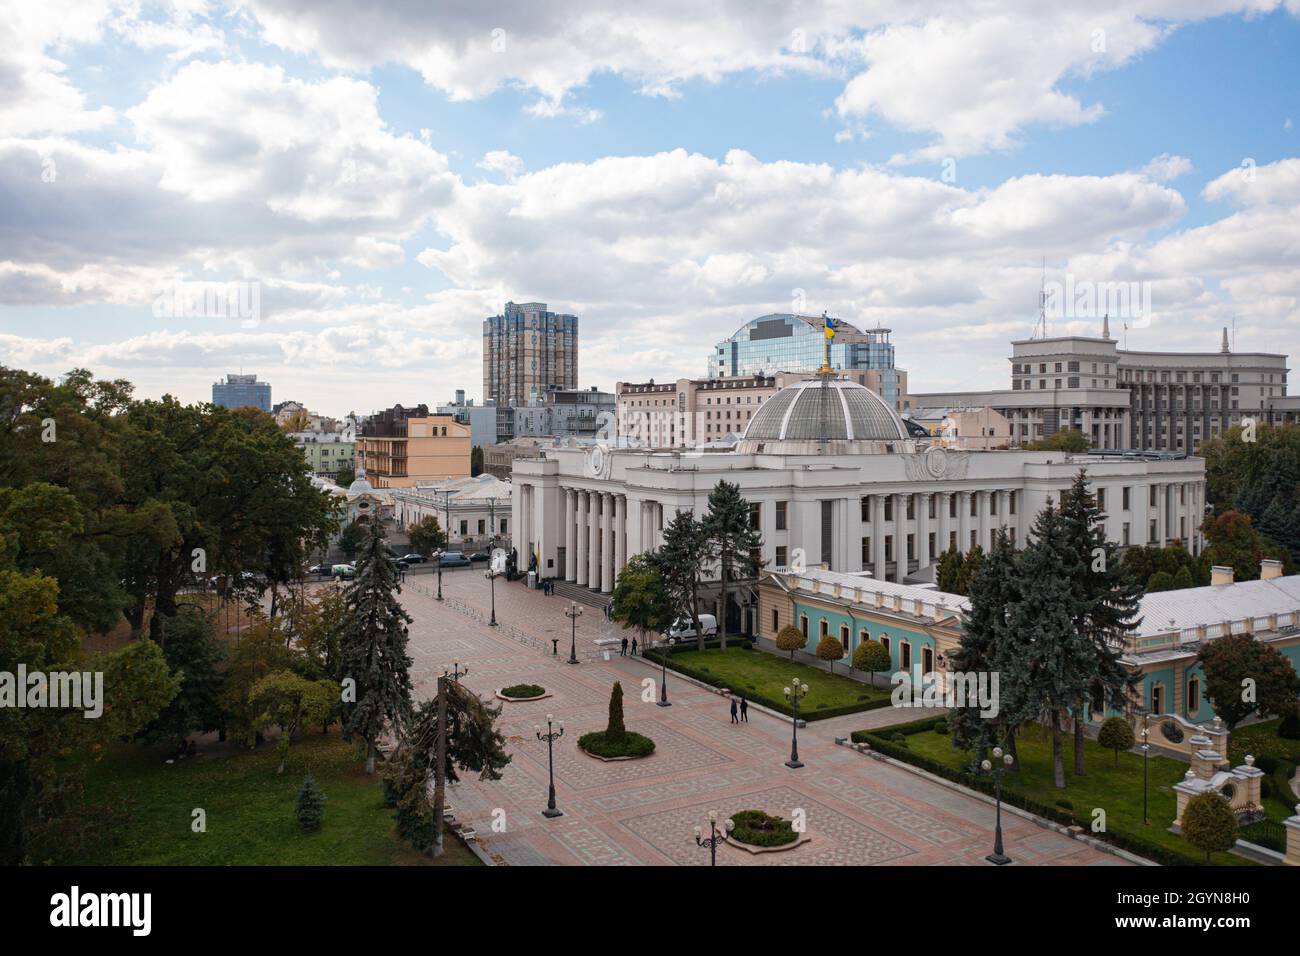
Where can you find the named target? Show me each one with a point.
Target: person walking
(734, 718)
(623, 651)
(744, 711)
(634, 646)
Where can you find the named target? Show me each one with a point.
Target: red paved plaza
(858, 810)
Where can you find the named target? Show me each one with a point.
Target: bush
(523, 690)
(900, 739)
(311, 804)
(761, 829)
(1116, 735)
(1209, 823)
(632, 744)
(1289, 729)
(941, 727)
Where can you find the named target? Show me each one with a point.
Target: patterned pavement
(859, 811)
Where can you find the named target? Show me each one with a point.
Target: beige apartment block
(397, 451)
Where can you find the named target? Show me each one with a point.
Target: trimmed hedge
(523, 690)
(757, 828)
(632, 745)
(820, 712)
(1154, 852)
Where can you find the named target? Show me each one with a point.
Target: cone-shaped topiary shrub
(311, 804)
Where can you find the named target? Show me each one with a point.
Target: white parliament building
(830, 468)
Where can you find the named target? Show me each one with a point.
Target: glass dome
(825, 409)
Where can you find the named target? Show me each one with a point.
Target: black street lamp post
(492, 586)
(663, 676)
(573, 613)
(715, 836)
(550, 737)
(1146, 754)
(438, 567)
(456, 672)
(795, 693)
(997, 769)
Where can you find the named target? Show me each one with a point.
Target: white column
(900, 537)
(620, 534)
(941, 506)
(1162, 511)
(878, 537)
(607, 543)
(853, 523)
(1004, 509)
(593, 541)
(963, 521)
(580, 565)
(570, 534)
(923, 531)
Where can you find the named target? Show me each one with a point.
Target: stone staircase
(574, 592)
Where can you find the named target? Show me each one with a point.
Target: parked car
(681, 630)
(414, 558)
(454, 559)
(319, 569)
(480, 556)
(345, 571)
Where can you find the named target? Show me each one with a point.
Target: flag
(830, 332)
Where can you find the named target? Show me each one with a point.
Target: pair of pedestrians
(623, 650)
(740, 715)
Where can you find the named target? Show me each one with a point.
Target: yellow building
(400, 447)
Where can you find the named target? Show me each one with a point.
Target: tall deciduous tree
(1244, 676)
(732, 542)
(373, 646)
(641, 598)
(681, 563)
(426, 536)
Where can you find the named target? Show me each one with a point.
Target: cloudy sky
(369, 180)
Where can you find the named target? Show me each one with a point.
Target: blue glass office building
(797, 343)
(238, 391)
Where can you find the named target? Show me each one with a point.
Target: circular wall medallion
(936, 461)
(596, 461)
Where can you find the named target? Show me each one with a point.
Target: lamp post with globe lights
(456, 672)
(715, 836)
(997, 769)
(550, 737)
(573, 613)
(1146, 754)
(794, 693)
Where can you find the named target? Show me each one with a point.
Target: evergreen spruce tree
(310, 805)
(948, 575)
(731, 541)
(194, 657)
(372, 646)
(989, 646)
(1054, 661)
(680, 562)
(1106, 601)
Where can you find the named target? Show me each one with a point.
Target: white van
(681, 630)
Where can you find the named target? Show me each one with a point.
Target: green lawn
(250, 810)
(763, 677)
(1115, 789)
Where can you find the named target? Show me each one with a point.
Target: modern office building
(240, 391)
(526, 352)
(399, 447)
(833, 478)
(1122, 399)
(797, 343)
